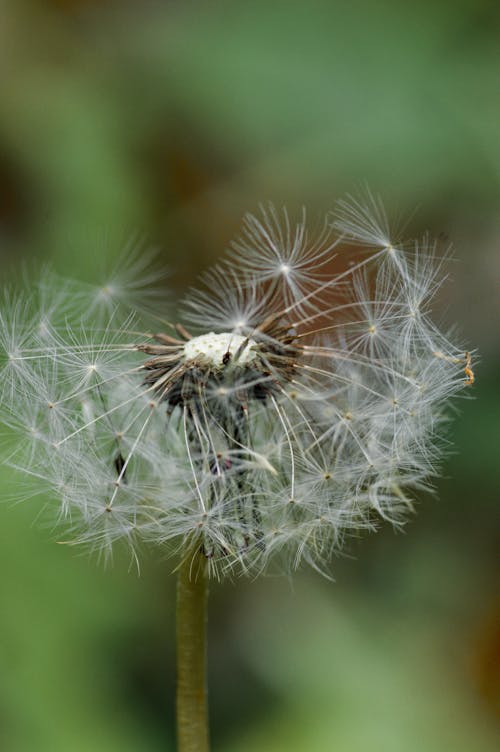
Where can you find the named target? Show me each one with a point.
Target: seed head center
(218, 350)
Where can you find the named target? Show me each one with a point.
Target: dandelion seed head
(289, 408)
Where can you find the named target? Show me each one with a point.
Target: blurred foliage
(174, 119)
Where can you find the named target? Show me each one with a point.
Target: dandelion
(287, 406)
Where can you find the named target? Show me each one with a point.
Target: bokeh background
(171, 119)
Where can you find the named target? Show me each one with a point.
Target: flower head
(292, 405)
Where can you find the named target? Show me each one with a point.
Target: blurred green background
(172, 119)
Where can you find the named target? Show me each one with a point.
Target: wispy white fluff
(319, 417)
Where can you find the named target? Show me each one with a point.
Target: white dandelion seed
(291, 407)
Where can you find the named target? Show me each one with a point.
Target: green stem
(192, 711)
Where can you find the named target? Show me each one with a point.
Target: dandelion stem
(192, 711)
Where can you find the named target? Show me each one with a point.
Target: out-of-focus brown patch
(181, 163)
(486, 658)
(183, 173)
(189, 177)
(14, 199)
